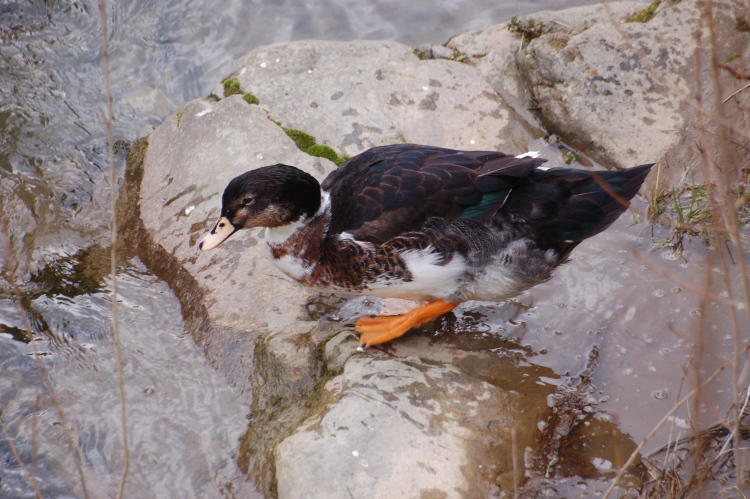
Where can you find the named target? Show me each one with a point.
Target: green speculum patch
(307, 143)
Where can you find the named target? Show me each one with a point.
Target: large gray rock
(598, 86)
(398, 428)
(356, 95)
(494, 49)
(623, 92)
(414, 424)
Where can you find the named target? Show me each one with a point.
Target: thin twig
(674, 421)
(516, 464)
(561, 24)
(735, 93)
(113, 258)
(737, 421)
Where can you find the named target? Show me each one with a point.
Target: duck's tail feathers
(566, 206)
(596, 203)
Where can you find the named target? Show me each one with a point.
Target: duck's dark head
(271, 196)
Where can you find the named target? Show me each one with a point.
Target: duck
(424, 223)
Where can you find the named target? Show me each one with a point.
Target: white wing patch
(530, 154)
(430, 280)
(292, 267)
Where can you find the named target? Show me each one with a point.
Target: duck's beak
(221, 231)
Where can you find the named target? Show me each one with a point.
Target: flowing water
(184, 420)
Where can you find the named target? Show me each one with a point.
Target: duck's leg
(376, 330)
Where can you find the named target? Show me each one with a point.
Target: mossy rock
(644, 15)
(250, 98)
(307, 143)
(323, 151)
(303, 140)
(530, 29)
(231, 87)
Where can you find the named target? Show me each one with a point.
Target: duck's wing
(389, 190)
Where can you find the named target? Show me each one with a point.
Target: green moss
(569, 157)
(530, 29)
(179, 115)
(307, 143)
(250, 98)
(231, 87)
(314, 399)
(138, 151)
(421, 55)
(644, 15)
(458, 57)
(323, 151)
(303, 140)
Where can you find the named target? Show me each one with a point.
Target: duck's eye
(247, 200)
(221, 225)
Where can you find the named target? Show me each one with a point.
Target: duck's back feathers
(389, 190)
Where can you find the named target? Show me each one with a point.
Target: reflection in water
(565, 432)
(184, 421)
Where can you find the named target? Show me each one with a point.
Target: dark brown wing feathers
(388, 190)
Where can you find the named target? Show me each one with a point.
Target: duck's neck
(295, 247)
(285, 234)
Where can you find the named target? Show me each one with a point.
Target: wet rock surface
(417, 418)
(339, 348)
(398, 428)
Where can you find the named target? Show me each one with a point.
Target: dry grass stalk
(33, 438)
(113, 257)
(516, 464)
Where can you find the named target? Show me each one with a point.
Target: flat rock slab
(356, 95)
(399, 428)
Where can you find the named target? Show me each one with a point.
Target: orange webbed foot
(376, 330)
